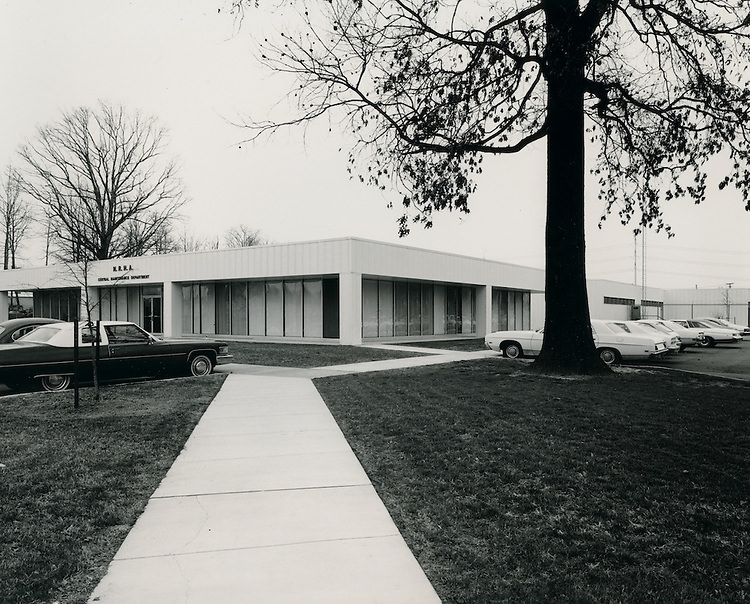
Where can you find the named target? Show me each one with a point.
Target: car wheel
(200, 365)
(55, 383)
(609, 356)
(708, 342)
(512, 350)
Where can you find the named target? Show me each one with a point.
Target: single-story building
(623, 301)
(344, 291)
(730, 303)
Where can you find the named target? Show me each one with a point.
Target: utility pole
(729, 300)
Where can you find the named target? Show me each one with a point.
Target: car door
(129, 353)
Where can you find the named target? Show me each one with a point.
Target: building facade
(730, 303)
(624, 301)
(346, 291)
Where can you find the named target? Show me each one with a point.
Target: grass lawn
(509, 486)
(72, 483)
(308, 355)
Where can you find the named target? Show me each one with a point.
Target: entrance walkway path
(267, 503)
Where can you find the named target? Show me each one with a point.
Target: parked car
(12, 329)
(674, 344)
(45, 356)
(743, 329)
(514, 344)
(714, 335)
(689, 336)
(617, 342)
(613, 343)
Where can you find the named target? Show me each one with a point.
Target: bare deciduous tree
(101, 177)
(147, 236)
(81, 272)
(430, 87)
(242, 236)
(16, 216)
(188, 242)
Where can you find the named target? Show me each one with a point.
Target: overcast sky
(184, 62)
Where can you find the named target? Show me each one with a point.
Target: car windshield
(674, 326)
(660, 327)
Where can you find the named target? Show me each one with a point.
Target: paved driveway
(727, 360)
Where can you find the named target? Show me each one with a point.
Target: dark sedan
(125, 351)
(13, 329)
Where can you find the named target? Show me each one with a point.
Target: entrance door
(152, 314)
(453, 310)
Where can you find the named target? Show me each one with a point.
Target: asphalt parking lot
(725, 360)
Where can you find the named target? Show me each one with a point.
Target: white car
(689, 336)
(613, 343)
(618, 341)
(714, 335)
(674, 344)
(743, 329)
(514, 344)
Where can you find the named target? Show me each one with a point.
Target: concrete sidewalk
(267, 503)
(429, 357)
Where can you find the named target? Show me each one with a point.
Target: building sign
(123, 272)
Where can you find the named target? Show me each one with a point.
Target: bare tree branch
(427, 88)
(16, 216)
(242, 236)
(100, 176)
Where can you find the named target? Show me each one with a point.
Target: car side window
(88, 335)
(22, 332)
(125, 334)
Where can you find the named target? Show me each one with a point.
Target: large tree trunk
(568, 342)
